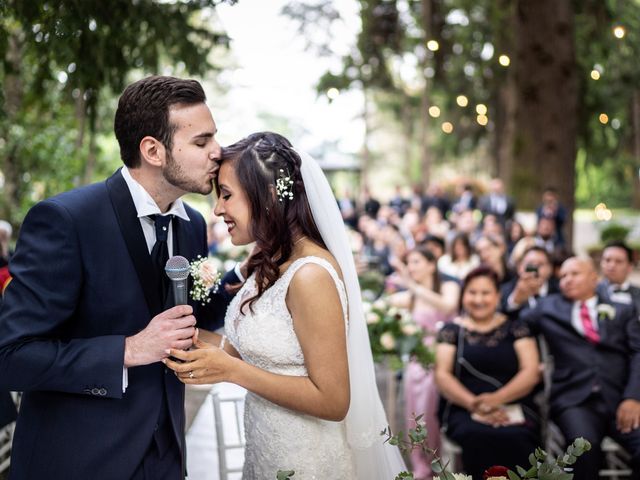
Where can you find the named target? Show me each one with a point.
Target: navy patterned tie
(160, 252)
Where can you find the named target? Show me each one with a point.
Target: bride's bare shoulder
(312, 249)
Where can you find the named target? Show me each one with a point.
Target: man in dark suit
(497, 203)
(595, 386)
(616, 265)
(85, 324)
(535, 280)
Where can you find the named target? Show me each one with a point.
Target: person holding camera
(535, 280)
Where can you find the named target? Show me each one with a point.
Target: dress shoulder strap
(297, 264)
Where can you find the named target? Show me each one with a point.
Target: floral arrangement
(395, 336)
(206, 278)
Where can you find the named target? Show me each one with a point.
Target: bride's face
(233, 206)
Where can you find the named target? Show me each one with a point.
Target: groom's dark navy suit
(82, 281)
(590, 380)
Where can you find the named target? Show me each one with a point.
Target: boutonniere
(605, 311)
(206, 279)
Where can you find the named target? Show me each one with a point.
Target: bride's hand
(205, 364)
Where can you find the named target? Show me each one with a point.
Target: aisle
(202, 448)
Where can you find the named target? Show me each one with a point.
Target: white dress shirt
(145, 206)
(622, 295)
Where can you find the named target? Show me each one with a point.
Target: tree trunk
(544, 147)
(636, 149)
(425, 152)
(506, 100)
(407, 133)
(366, 153)
(13, 95)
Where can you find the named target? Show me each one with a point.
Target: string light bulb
(433, 45)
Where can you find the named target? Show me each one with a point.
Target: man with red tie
(595, 345)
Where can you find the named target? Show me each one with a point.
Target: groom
(85, 321)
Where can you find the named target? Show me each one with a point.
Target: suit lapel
(134, 238)
(603, 323)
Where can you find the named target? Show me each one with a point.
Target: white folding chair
(6, 439)
(228, 412)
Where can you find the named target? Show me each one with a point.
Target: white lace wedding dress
(278, 438)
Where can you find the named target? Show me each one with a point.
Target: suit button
(103, 391)
(95, 391)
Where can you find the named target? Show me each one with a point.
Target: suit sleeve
(37, 352)
(632, 390)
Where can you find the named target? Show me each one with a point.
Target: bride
(295, 335)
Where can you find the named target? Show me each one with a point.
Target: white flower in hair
(284, 186)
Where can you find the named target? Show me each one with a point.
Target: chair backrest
(6, 439)
(228, 413)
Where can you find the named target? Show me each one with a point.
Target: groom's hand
(171, 329)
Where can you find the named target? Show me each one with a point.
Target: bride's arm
(319, 325)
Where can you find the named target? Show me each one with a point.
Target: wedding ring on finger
(191, 374)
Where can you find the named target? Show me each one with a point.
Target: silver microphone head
(177, 268)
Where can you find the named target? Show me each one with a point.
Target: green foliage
(285, 474)
(390, 59)
(613, 231)
(542, 467)
(62, 62)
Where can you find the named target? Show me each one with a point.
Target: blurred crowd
(525, 334)
(491, 295)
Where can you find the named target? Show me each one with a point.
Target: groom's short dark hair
(143, 110)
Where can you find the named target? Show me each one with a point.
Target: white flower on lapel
(605, 311)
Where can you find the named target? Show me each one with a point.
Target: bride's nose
(218, 210)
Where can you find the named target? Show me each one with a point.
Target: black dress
(489, 354)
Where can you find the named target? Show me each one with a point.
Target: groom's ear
(152, 151)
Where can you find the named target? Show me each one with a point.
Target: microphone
(177, 269)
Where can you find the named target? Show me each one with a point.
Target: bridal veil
(375, 460)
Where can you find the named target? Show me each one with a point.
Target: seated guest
(486, 368)
(460, 260)
(491, 250)
(535, 280)
(616, 265)
(545, 235)
(595, 345)
(432, 302)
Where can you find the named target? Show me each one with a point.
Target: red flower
(495, 471)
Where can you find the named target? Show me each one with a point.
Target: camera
(531, 268)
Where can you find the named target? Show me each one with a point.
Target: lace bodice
(277, 438)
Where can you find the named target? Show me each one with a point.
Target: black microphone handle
(179, 288)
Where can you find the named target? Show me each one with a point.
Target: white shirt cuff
(125, 379)
(238, 273)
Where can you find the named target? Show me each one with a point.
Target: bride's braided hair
(259, 161)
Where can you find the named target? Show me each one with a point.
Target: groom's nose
(216, 151)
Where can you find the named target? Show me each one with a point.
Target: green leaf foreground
(543, 467)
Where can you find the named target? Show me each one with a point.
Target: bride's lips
(230, 225)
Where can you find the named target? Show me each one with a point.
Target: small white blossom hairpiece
(284, 186)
